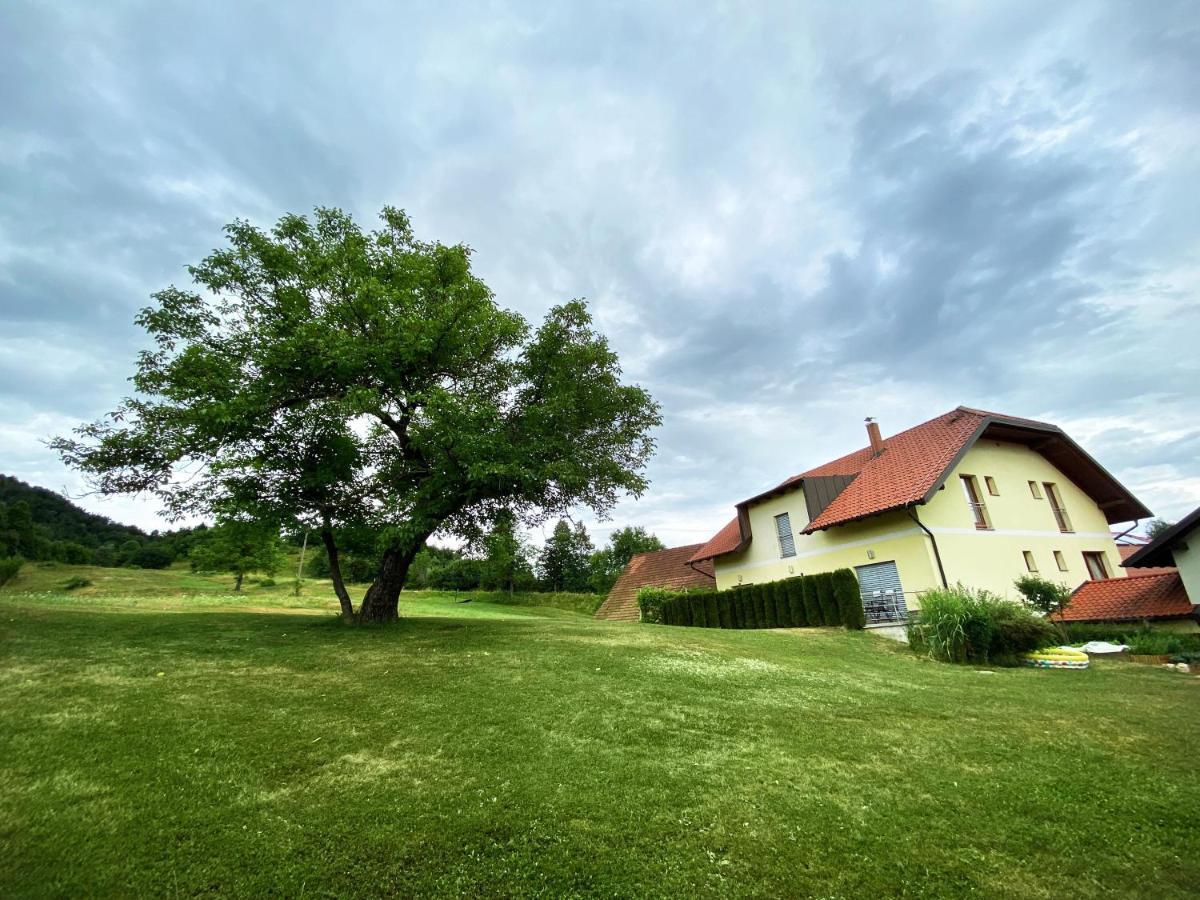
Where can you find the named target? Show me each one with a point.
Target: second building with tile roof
(970, 496)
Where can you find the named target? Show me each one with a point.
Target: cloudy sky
(786, 216)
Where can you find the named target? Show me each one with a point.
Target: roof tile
(1131, 598)
(658, 568)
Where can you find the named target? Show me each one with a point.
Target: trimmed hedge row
(829, 598)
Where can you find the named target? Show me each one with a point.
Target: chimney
(875, 436)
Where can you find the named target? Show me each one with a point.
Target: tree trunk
(335, 572)
(382, 601)
(237, 585)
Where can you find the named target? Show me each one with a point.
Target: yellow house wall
(994, 559)
(890, 537)
(1188, 563)
(979, 559)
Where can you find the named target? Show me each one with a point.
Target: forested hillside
(38, 524)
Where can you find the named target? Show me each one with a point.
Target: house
(1177, 546)
(970, 496)
(659, 568)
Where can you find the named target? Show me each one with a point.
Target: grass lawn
(497, 750)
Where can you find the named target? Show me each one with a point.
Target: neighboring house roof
(658, 568)
(1127, 550)
(1126, 599)
(1158, 551)
(914, 464)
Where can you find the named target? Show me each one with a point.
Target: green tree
(505, 563)
(239, 547)
(623, 545)
(325, 377)
(1155, 527)
(565, 560)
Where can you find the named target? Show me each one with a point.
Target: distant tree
(1046, 596)
(323, 377)
(152, 556)
(565, 560)
(623, 545)
(1155, 527)
(506, 557)
(240, 548)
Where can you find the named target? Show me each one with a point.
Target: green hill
(39, 524)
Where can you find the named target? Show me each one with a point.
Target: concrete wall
(981, 559)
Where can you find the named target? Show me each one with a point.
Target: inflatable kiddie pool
(1057, 658)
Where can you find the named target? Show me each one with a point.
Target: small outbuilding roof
(659, 568)
(1158, 551)
(1129, 599)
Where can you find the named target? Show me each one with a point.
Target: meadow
(160, 736)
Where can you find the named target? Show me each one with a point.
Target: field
(172, 744)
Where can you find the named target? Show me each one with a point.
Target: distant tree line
(502, 560)
(38, 524)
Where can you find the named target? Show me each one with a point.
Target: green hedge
(829, 598)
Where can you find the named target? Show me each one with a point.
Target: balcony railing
(884, 607)
(979, 510)
(1060, 516)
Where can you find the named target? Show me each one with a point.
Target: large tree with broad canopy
(328, 378)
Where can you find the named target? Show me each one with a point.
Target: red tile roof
(1131, 598)
(913, 464)
(1127, 550)
(659, 568)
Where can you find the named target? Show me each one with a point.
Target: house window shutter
(783, 527)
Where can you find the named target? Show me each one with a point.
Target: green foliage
(650, 603)
(326, 377)
(795, 595)
(623, 545)
(1155, 527)
(266, 582)
(830, 614)
(698, 610)
(712, 610)
(564, 564)
(239, 548)
(725, 609)
(848, 598)
(9, 567)
(1135, 634)
(76, 582)
(506, 557)
(812, 604)
(963, 625)
(1042, 594)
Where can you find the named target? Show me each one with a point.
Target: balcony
(979, 511)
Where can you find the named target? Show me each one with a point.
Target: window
(783, 527)
(991, 485)
(1060, 560)
(1060, 512)
(975, 502)
(1035, 490)
(1097, 569)
(1030, 563)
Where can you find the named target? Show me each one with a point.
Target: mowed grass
(488, 750)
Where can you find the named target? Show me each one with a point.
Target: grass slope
(481, 749)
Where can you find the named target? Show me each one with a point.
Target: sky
(785, 216)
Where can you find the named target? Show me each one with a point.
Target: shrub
(75, 582)
(795, 596)
(151, 556)
(770, 619)
(812, 605)
(963, 625)
(712, 614)
(849, 599)
(1042, 594)
(267, 582)
(698, 612)
(783, 611)
(760, 606)
(827, 600)
(9, 567)
(650, 603)
(725, 609)
(741, 616)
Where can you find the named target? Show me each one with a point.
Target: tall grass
(963, 625)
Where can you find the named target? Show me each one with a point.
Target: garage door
(882, 594)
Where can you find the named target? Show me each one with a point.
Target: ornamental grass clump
(963, 625)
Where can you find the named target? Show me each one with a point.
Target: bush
(783, 611)
(827, 600)
(849, 599)
(9, 567)
(699, 613)
(963, 625)
(725, 609)
(812, 606)
(151, 556)
(712, 614)
(75, 582)
(737, 598)
(650, 604)
(1042, 594)
(795, 595)
(1138, 635)
(267, 582)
